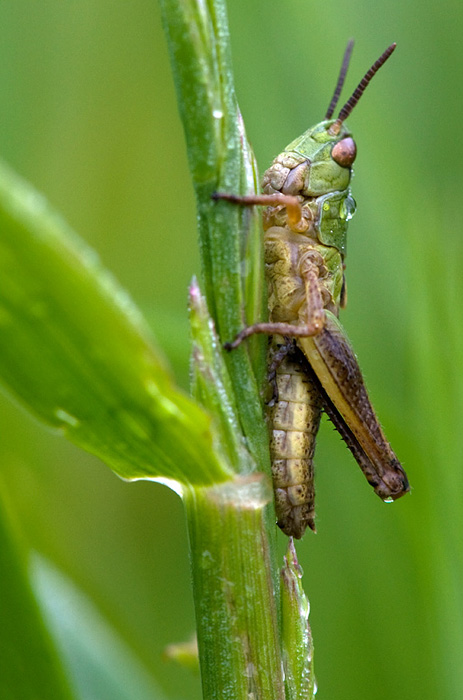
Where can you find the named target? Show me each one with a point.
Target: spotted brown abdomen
(294, 422)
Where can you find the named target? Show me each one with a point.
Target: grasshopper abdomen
(294, 421)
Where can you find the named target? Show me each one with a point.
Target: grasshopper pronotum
(312, 365)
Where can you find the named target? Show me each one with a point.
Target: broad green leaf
(77, 353)
(29, 665)
(101, 665)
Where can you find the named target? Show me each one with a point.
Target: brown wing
(347, 403)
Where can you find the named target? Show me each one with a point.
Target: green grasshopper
(312, 365)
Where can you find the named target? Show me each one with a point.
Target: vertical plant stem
(232, 553)
(231, 525)
(236, 606)
(220, 160)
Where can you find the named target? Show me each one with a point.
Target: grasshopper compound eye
(344, 152)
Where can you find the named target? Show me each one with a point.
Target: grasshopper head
(327, 160)
(318, 164)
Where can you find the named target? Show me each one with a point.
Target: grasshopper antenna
(341, 78)
(359, 90)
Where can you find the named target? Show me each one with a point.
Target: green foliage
(29, 667)
(297, 636)
(75, 350)
(220, 161)
(100, 664)
(211, 383)
(234, 589)
(89, 116)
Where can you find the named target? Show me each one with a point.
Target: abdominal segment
(294, 421)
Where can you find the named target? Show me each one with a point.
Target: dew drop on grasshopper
(312, 367)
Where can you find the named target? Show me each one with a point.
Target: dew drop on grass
(66, 417)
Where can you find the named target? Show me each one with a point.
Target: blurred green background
(89, 116)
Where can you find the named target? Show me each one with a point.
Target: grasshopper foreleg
(293, 206)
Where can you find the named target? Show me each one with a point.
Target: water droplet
(152, 388)
(169, 406)
(66, 417)
(388, 500)
(217, 114)
(250, 671)
(348, 208)
(207, 560)
(172, 484)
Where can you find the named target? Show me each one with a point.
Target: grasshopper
(312, 366)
